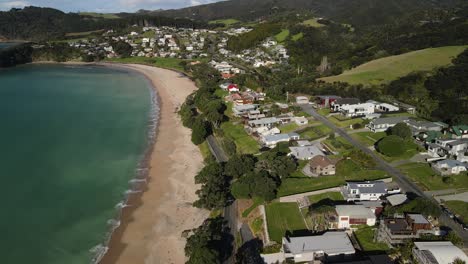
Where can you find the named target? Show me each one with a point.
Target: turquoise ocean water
(71, 140)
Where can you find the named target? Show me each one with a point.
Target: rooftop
(443, 251)
(389, 120)
(354, 210)
(368, 186)
(418, 218)
(321, 161)
(331, 243)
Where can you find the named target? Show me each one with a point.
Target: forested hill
(37, 24)
(355, 12)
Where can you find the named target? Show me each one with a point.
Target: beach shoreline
(151, 227)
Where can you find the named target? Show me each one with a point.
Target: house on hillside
(331, 246)
(353, 214)
(340, 102)
(418, 127)
(354, 110)
(437, 252)
(272, 140)
(264, 122)
(384, 107)
(398, 230)
(241, 110)
(448, 147)
(301, 120)
(326, 100)
(364, 191)
(450, 167)
(460, 131)
(321, 165)
(305, 152)
(302, 100)
(383, 124)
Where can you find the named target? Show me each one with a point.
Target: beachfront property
(272, 140)
(322, 165)
(449, 167)
(383, 124)
(330, 246)
(437, 252)
(398, 230)
(264, 122)
(460, 131)
(349, 215)
(354, 110)
(336, 106)
(364, 191)
(306, 152)
(241, 110)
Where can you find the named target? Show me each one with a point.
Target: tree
(454, 238)
(401, 130)
(230, 146)
(214, 193)
(239, 165)
(200, 130)
(214, 112)
(123, 49)
(277, 164)
(391, 146)
(458, 260)
(249, 252)
(210, 171)
(255, 184)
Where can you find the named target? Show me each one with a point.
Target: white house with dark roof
(353, 110)
(364, 191)
(382, 124)
(450, 167)
(272, 140)
(330, 245)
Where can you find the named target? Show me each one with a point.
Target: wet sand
(151, 227)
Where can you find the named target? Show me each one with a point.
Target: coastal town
(302, 162)
(337, 202)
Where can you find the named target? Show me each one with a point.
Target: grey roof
(305, 152)
(303, 143)
(443, 251)
(397, 199)
(331, 243)
(277, 137)
(451, 163)
(389, 120)
(245, 107)
(369, 186)
(458, 142)
(418, 218)
(264, 121)
(341, 101)
(354, 211)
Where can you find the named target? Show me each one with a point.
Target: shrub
(392, 146)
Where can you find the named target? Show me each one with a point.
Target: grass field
(365, 238)
(166, 63)
(338, 144)
(281, 37)
(423, 175)
(82, 34)
(205, 150)
(99, 15)
(369, 138)
(396, 149)
(288, 127)
(346, 170)
(323, 111)
(312, 133)
(297, 37)
(312, 23)
(226, 22)
(282, 217)
(345, 123)
(391, 68)
(245, 144)
(334, 196)
(459, 208)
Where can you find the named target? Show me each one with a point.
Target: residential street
(400, 178)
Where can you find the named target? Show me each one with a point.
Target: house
(321, 165)
(424, 126)
(353, 110)
(326, 100)
(233, 88)
(302, 100)
(364, 191)
(300, 120)
(349, 215)
(429, 136)
(328, 246)
(396, 199)
(305, 152)
(450, 167)
(255, 115)
(240, 110)
(224, 86)
(265, 131)
(437, 252)
(448, 147)
(398, 230)
(272, 140)
(460, 131)
(264, 122)
(408, 108)
(382, 124)
(340, 102)
(303, 143)
(384, 107)
(375, 206)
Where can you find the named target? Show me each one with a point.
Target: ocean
(72, 141)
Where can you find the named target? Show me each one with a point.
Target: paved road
(402, 180)
(216, 150)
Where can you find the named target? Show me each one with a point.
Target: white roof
(443, 251)
(306, 152)
(331, 243)
(354, 210)
(397, 199)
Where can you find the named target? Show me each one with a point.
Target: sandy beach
(151, 227)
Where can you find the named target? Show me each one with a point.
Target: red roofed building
(233, 88)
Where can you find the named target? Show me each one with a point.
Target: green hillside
(391, 68)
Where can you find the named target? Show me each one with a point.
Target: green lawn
(226, 22)
(245, 144)
(423, 175)
(282, 217)
(365, 237)
(390, 68)
(346, 170)
(297, 37)
(281, 37)
(288, 127)
(334, 196)
(205, 150)
(345, 122)
(312, 133)
(338, 144)
(256, 202)
(369, 138)
(459, 208)
(166, 63)
(323, 111)
(397, 149)
(221, 93)
(312, 23)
